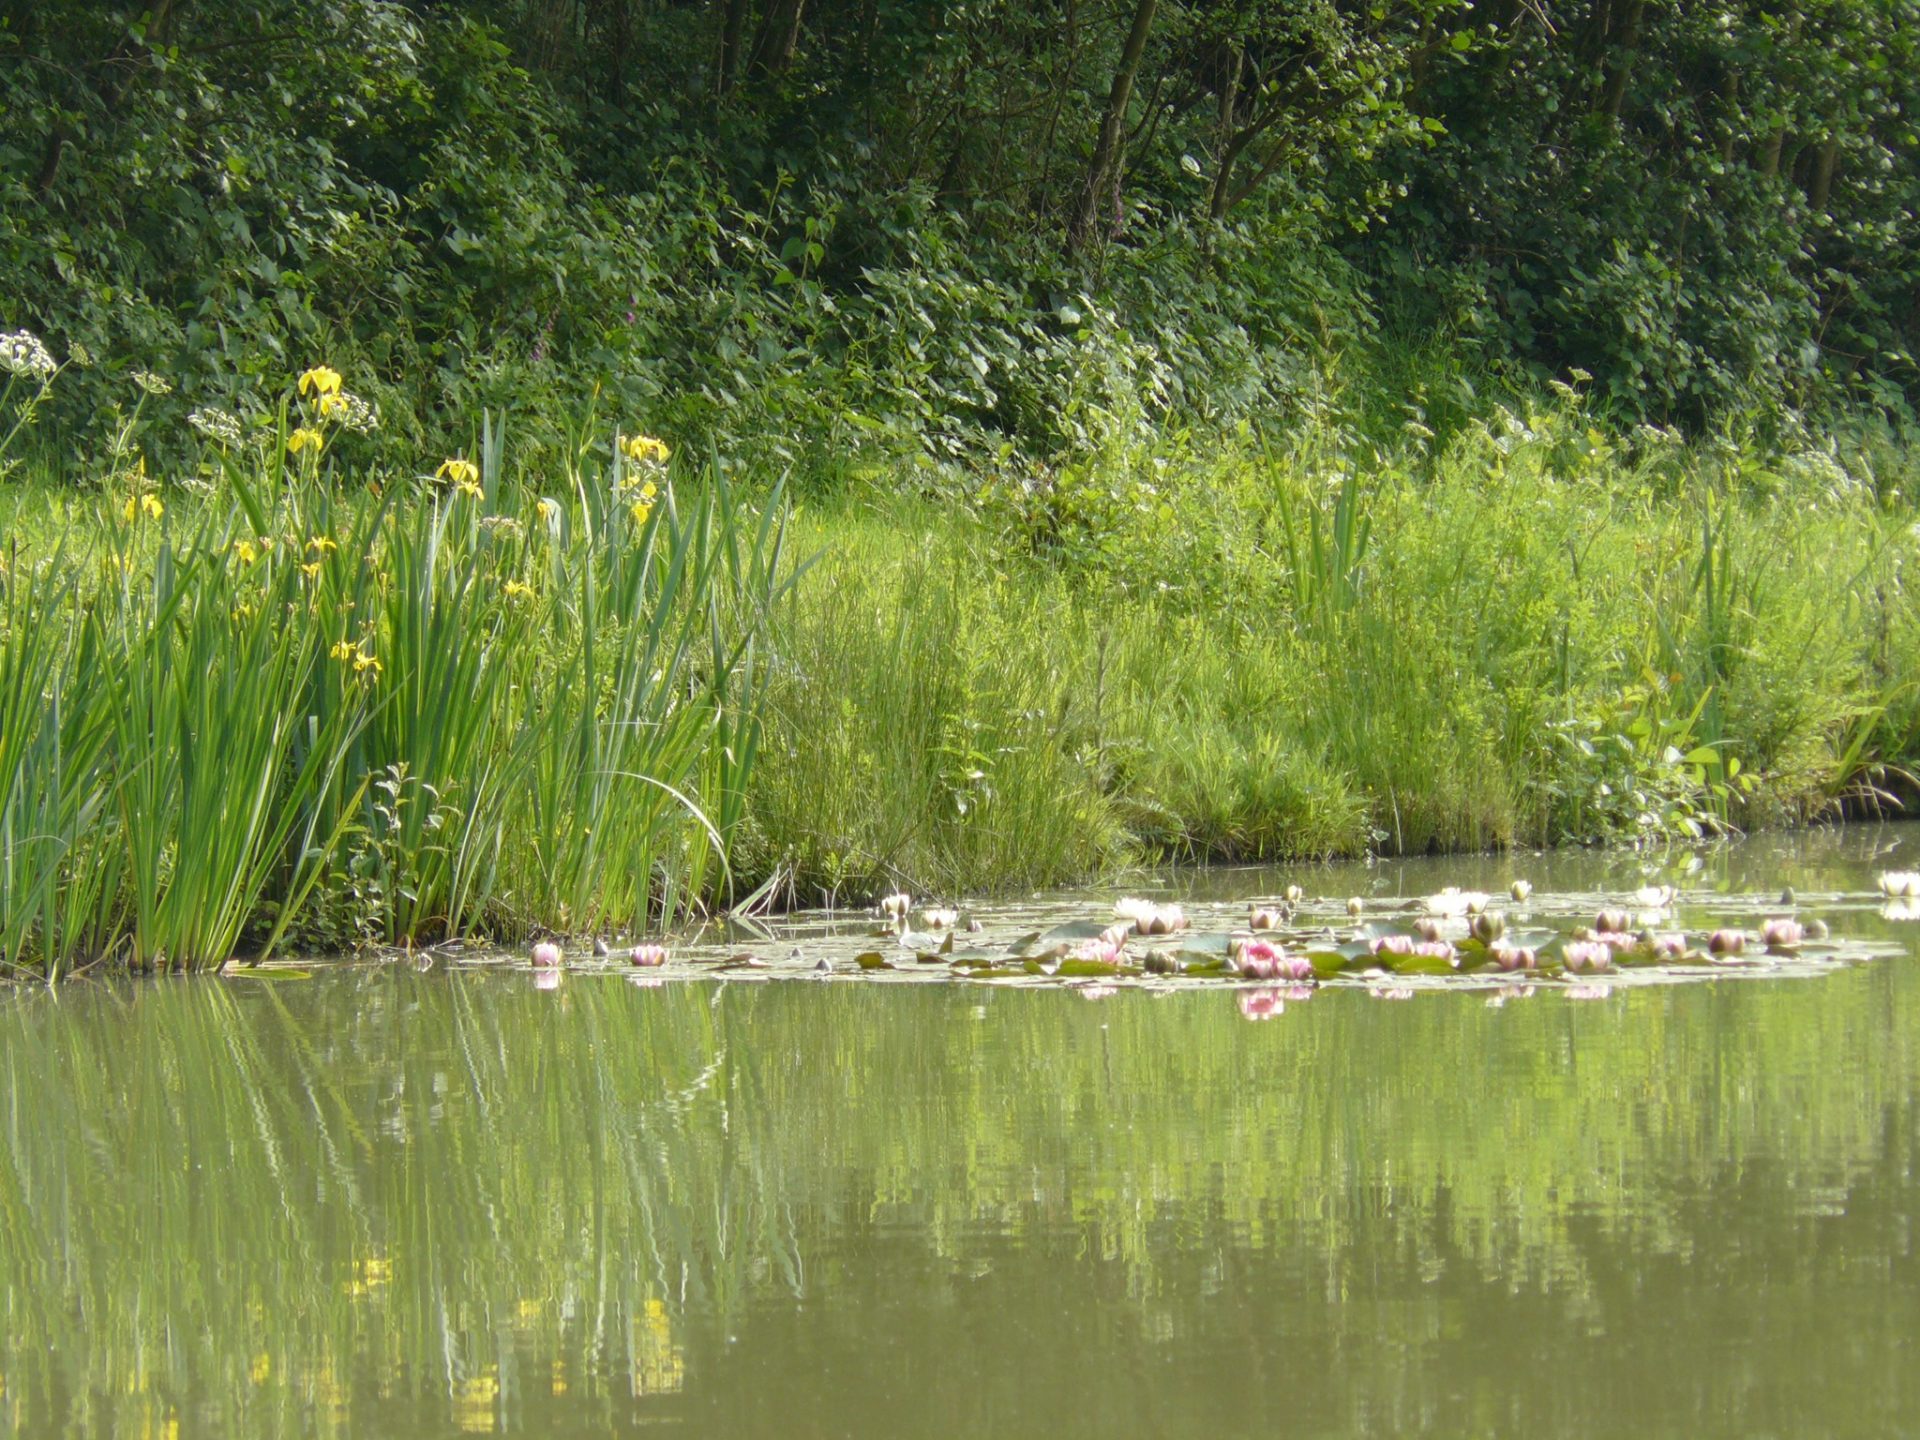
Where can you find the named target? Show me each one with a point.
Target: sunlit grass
(301, 708)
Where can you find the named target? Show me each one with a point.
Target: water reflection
(380, 1202)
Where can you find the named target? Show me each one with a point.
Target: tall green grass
(321, 710)
(1528, 634)
(299, 710)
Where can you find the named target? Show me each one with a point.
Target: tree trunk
(1823, 163)
(1621, 57)
(779, 37)
(732, 34)
(1101, 176)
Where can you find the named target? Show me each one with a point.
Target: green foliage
(844, 240)
(294, 709)
(1528, 635)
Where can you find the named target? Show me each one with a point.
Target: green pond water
(390, 1201)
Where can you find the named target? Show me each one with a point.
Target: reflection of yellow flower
(459, 470)
(320, 380)
(473, 1402)
(305, 439)
(644, 449)
(658, 1365)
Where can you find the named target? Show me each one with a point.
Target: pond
(386, 1200)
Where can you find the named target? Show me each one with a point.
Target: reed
(297, 710)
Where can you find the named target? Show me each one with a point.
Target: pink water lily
(1262, 1004)
(1581, 956)
(647, 955)
(546, 955)
(1781, 933)
(1515, 957)
(1727, 942)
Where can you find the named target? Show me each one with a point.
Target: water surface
(378, 1201)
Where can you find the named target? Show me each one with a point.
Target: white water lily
(1150, 919)
(1522, 891)
(1900, 884)
(1654, 897)
(896, 907)
(1454, 903)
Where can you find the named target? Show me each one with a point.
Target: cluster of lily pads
(1453, 932)
(1287, 946)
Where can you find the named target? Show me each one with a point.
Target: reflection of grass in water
(280, 1206)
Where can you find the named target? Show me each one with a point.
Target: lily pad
(872, 960)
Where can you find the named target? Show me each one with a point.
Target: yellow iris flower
(644, 449)
(459, 470)
(320, 380)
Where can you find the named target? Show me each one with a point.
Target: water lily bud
(1585, 956)
(1266, 917)
(1817, 930)
(1356, 906)
(1669, 947)
(1612, 921)
(599, 947)
(1295, 894)
(1727, 942)
(546, 955)
(1522, 891)
(1787, 897)
(1476, 902)
(1159, 962)
(1430, 927)
(1489, 926)
(1391, 945)
(647, 955)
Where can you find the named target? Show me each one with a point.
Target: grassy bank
(293, 711)
(1534, 636)
(288, 703)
